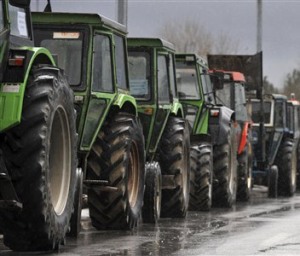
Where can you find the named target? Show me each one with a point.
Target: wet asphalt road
(261, 227)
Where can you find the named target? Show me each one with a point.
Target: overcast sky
(281, 21)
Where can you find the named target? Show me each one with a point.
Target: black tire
(244, 170)
(225, 172)
(298, 166)
(40, 154)
(117, 156)
(287, 168)
(152, 195)
(174, 159)
(75, 222)
(201, 177)
(273, 182)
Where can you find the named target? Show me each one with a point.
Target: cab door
(163, 94)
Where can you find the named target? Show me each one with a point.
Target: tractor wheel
(225, 172)
(75, 223)
(244, 175)
(286, 161)
(40, 154)
(273, 182)
(174, 159)
(152, 194)
(298, 166)
(117, 156)
(201, 177)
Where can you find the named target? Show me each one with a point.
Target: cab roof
(150, 42)
(92, 19)
(194, 57)
(233, 75)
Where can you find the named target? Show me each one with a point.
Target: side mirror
(217, 80)
(20, 3)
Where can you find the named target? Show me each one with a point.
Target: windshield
(224, 96)
(186, 75)
(18, 21)
(1, 16)
(279, 114)
(255, 112)
(290, 117)
(67, 48)
(139, 74)
(240, 102)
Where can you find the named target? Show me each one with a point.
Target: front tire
(40, 154)
(244, 174)
(174, 159)
(287, 168)
(118, 157)
(152, 195)
(201, 177)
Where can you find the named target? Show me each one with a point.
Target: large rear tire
(225, 172)
(201, 177)
(286, 162)
(174, 159)
(118, 157)
(40, 154)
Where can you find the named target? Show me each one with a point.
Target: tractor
(281, 169)
(274, 150)
(38, 160)
(233, 95)
(92, 51)
(212, 131)
(294, 125)
(153, 84)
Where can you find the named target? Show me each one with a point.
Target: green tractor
(233, 95)
(213, 141)
(91, 49)
(37, 138)
(153, 84)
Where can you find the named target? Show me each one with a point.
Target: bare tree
(190, 36)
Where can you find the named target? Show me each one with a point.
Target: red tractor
(233, 95)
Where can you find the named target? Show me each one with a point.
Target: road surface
(261, 227)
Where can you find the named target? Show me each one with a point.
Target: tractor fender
(15, 79)
(244, 137)
(125, 102)
(220, 125)
(199, 138)
(177, 109)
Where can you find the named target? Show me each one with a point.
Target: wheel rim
(133, 175)
(60, 160)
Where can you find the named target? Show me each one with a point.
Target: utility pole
(259, 26)
(260, 91)
(122, 11)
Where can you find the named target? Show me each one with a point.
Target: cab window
(121, 62)
(1, 16)
(172, 75)
(139, 74)
(162, 79)
(18, 19)
(102, 65)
